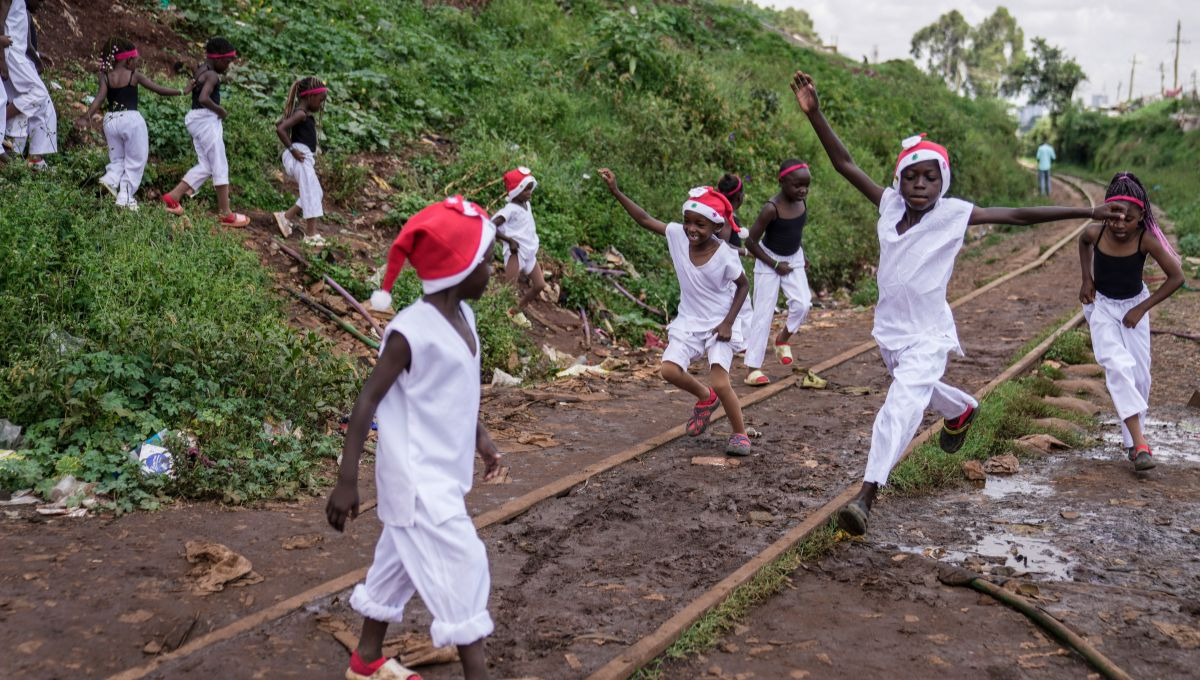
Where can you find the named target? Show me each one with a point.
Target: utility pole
(1132, 67)
(1162, 77)
(1178, 41)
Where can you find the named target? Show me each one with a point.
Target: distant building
(1028, 115)
(1099, 101)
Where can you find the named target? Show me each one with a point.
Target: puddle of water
(1022, 554)
(1000, 486)
(1178, 441)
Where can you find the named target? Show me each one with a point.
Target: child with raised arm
(298, 132)
(516, 230)
(124, 128)
(1116, 303)
(712, 289)
(424, 392)
(775, 241)
(205, 125)
(920, 233)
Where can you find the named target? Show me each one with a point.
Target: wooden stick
(345, 325)
(1185, 336)
(334, 284)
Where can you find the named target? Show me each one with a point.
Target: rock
(760, 517)
(716, 461)
(1091, 386)
(502, 379)
(1069, 514)
(1184, 636)
(973, 471)
(1087, 408)
(1002, 465)
(1060, 424)
(1084, 370)
(1036, 444)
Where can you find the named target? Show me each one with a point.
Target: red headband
(122, 56)
(1136, 201)
(787, 171)
(227, 55)
(735, 189)
(315, 90)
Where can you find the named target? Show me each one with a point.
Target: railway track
(646, 533)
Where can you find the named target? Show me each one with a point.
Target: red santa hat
(917, 149)
(709, 204)
(444, 242)
(516, 180)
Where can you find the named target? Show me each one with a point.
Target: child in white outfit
(298, 132)
(516, 230)
(124, 127)
(424, 391)
(1116, 303)
(920, 233)
(31, 115)
(712, 290)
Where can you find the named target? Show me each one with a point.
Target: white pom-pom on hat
(381, 300)
(910, 142)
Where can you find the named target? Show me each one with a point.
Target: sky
(1102, 35)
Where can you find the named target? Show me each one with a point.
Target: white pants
(28, 92)
(128, 149)
(446, 564)
(684, 347)
(36, 120)
(305, 174)
(1124, 353)
(767, 283)
(208, 136)
(916, 383)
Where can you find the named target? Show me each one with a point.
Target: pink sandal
(237, 220)
(702, 413)
(172, 206)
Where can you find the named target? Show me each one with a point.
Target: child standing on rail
(205, 125)
(515, 228)
(124, 128)
(920, 233)
(775, 242)
(712, 289)
(298, 132)
(424, 391)
(1116, 303)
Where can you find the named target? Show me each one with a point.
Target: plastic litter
(154, 457)
(10, 435)
(502, 379)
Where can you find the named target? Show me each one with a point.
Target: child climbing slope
(712, 289)
(424, 392)
(298, 132)
(516, 229)
(124, 128)
(1116, 303)
(205, 125)
(920, 233)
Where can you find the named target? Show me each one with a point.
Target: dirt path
(1110, 553)
(132, 567)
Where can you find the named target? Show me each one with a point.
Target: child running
(298, 132)
(124, 127)
(29, 110)
(424, 390)
(920, 233)
(733, 234)
(1115, 302)
(516, 230)
(204, 124)
(775, 242)
(712, 288)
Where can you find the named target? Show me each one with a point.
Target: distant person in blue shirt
(1045, 157)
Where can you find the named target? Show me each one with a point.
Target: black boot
(852, 518)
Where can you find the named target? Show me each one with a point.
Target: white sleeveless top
(914, 273)
(427, 419)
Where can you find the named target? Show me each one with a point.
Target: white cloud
(1102, 35)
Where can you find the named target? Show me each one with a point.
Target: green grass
(704, 634)
(1041, 336)
(1072, 347)
(1004, 415)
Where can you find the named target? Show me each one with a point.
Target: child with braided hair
(298, 132)
(1116, 302)
(124, 127)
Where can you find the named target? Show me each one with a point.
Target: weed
(1072, 347)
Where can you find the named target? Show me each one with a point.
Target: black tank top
(783, 237)
(122, 98)
(305, 132)
(215, 96)
(1118, 278)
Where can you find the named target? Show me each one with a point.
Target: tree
(997, 44)
(946, 42)
(1048, 77)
